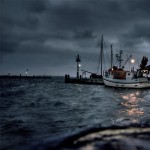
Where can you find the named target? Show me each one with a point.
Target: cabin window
(128, 74)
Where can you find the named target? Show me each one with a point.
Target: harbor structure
(78, 60)
(94, 78)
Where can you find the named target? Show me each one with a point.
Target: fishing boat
(119, 77)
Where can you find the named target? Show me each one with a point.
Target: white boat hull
(125, 84)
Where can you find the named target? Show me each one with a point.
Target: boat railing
(106, 73)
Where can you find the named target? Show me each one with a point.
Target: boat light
(132, 61)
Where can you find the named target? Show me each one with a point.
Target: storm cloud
(46, 35)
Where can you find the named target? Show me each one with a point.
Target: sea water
(33, 109)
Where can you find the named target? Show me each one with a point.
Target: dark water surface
(32, 109)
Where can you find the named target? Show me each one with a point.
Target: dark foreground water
(33, 109)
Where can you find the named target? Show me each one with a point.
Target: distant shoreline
(24, 77)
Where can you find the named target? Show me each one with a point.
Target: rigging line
(102, 56)
(138, 63)
(90, 57)
(92, 54)
(99, 60)
(116, 62)
(107, 53)
(99, 63)
(104, 61)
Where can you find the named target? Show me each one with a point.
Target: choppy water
(31, 109)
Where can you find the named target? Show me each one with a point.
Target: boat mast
(111, 55)
(126, 61)
(101, 54)
(119, 58)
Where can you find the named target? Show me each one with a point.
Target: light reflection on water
(132, 104)
(43, 108)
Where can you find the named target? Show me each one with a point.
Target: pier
(25, 77)
(94, 81)
(94, 78)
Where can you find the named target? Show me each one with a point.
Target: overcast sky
(46, 35)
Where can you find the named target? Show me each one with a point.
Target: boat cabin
(119, 73)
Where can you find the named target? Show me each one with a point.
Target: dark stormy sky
(46, 35)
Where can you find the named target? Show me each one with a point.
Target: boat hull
(124, 84)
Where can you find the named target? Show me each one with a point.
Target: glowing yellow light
(132, 61)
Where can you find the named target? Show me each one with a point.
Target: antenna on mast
(119, 58)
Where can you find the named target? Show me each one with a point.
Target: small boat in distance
(118, 77)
